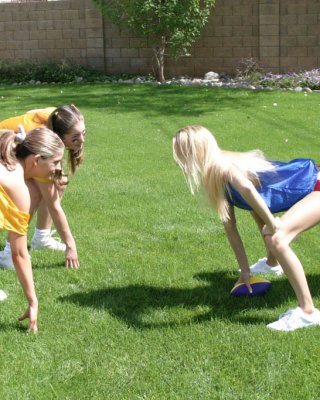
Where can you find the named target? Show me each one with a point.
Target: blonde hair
(197, 153)
(40, 141)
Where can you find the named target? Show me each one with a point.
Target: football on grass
(258, 285)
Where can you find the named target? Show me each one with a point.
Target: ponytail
(8, 149)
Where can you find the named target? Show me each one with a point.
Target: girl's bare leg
(271, 260)
(42, 237)
(44, 220)
(301, 217)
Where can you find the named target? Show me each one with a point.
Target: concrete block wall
(282, 35)
(59, 30)
(299, 34)
(231, 35)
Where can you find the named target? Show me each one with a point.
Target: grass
(149, 315)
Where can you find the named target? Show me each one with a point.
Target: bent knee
(277, 242)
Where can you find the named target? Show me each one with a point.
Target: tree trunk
(159, 54)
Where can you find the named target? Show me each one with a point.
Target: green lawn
(149, 315)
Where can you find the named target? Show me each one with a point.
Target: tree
(169, 25)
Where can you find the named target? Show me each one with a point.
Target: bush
(279, 81)
(250, 70)
(62, 72)
(306, 79)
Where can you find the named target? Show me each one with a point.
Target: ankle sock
(40, 233)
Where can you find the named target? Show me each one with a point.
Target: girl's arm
(22, 263)
(51, 197)
(236, 244)
(247, 190)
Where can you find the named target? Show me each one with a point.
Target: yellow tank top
(11, 218)
(30, 120)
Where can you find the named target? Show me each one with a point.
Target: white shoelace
(287, 315)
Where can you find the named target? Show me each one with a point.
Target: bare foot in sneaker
(294, 319)
(43, 239)
(263, 267)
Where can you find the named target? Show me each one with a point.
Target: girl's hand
(245, 278)
(31, 313)
(267, 230)
(72, 260)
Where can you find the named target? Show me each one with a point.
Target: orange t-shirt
(32, 119)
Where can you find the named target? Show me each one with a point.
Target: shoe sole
(47, 248)
(270, 272)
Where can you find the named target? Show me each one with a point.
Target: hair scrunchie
(21, 135)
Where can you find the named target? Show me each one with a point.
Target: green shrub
(62, 72)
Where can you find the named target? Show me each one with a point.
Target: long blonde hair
(197, 153)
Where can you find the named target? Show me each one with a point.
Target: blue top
(283, 187)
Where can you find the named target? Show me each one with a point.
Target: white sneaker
(3, 296)
(6, 260)
(261, 267)
(48, 242)
(294, 319)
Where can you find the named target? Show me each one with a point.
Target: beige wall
(283, 35)
(67, 29)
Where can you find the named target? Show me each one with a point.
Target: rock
(216, 84)
(209, 76)
(196, 82)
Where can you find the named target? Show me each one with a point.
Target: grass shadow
(44, 265)
(136, 305)
(150, 99)
(9, 327)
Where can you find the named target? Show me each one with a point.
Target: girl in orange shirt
(68, 123)
(22, 158)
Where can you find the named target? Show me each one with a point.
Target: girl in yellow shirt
(68, 123)
(22, 157)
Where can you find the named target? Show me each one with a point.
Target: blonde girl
(249, 181)
(38, 154)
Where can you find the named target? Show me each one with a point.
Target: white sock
(40, 233)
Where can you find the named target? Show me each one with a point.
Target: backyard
(149, 314)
